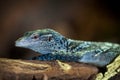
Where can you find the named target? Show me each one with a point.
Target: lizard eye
(35, 37)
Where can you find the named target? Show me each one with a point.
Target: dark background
(94, 20)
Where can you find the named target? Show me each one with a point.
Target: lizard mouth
(18, 44)
(21, 43)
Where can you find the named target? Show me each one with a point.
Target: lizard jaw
(21, 43)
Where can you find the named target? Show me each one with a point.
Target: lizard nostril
(19, 39)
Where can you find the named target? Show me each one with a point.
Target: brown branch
(45, 70)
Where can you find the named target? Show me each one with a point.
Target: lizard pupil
(35, 37)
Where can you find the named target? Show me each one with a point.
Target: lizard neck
(61, 44)
(74, 46)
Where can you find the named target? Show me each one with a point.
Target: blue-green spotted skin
(42, 41)
(54, 46)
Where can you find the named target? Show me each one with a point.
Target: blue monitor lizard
(54, 46)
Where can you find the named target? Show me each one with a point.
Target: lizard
(54, 46)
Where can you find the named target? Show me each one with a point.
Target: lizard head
(43, 41)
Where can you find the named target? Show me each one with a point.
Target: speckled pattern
(54, 46)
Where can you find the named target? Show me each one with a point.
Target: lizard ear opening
(47, 37)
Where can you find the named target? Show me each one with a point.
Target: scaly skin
(53, 46)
